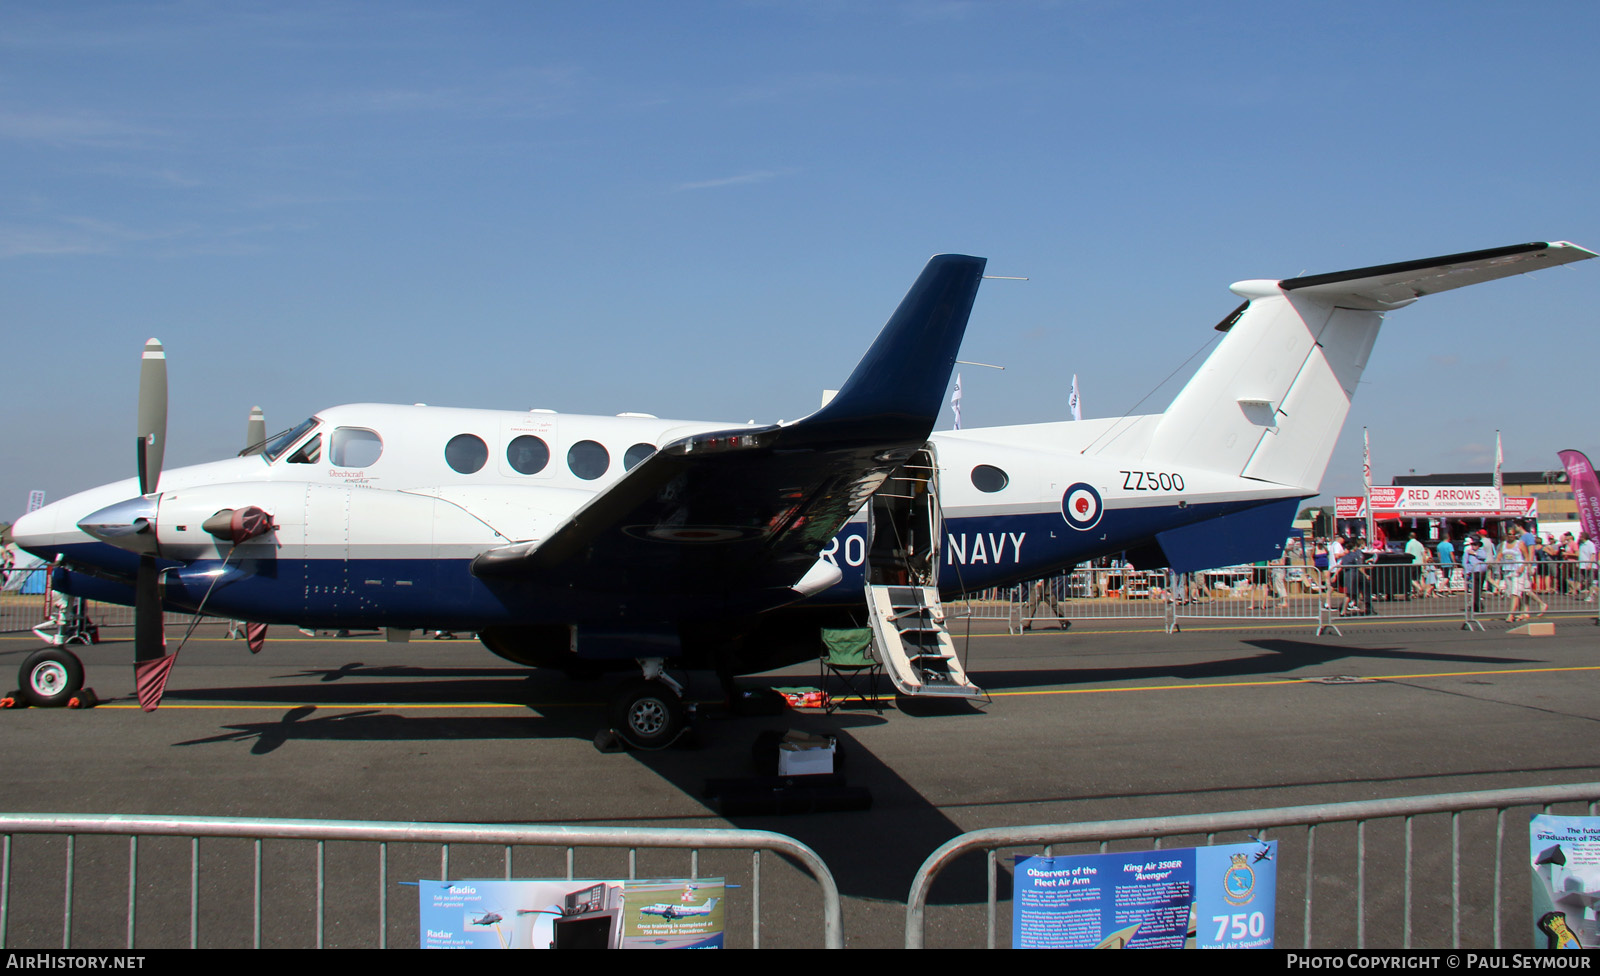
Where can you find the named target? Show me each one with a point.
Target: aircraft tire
(50, 677)
(648, 715)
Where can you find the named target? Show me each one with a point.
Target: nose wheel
(50, 677)
(649, 715)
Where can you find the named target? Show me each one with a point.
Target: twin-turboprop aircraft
(589, 543)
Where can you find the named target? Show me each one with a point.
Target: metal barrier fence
(996, 603)
(24, 605)
(1387, 590)
(1377, 837)
(88, 886)
(23, 602)
(1303, 593)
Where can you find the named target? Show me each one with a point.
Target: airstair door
(912, 642)
(908, 623)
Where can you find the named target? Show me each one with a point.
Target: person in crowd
(1357, 584)
(1516, 563)
(1427, 582)
(1043, 594)
(1476, 565)
(1586, 566)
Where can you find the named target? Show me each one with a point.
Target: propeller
(151, 663)
(152, 415)
(255, 442)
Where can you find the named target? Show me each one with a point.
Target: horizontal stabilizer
(1392, 285)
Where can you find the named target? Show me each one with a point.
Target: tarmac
(1125, 721)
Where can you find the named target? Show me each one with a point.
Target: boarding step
(913, 644)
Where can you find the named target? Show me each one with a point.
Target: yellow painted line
(1279, 682)
(171, 706)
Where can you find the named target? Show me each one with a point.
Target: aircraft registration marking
(1151, 480)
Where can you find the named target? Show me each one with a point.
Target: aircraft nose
(36, 532)
(129, 524)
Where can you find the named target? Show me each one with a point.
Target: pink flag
(255, 637)
(1585, 488)
(150, 678)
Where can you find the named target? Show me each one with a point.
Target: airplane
(669, 911)
(590, 543)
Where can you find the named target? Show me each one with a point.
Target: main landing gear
(50, 677)
(650, 713)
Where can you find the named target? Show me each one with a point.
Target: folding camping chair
(847, 655)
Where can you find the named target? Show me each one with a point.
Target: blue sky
(706, 210)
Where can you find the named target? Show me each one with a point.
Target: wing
(736, 518)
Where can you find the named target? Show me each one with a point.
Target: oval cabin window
(466, 453)
(987, 477)
(588, 460)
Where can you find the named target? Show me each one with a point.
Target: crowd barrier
(1488, 883)
(231, 872)
(1101, 593)
(1373, 872)
(1302, 593)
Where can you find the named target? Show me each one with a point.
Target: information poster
(565, 914)
(1566, 881)
(1196, 898)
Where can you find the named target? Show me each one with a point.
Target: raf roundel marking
(1081, 507)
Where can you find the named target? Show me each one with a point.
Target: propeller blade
(255, 432)
(152, 415)
(151, 663)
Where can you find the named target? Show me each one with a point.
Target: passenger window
(588, 460)
(635, 454)
(354, 447)
(309, 452)
(527, 454)
(466, 453)
(987, 477)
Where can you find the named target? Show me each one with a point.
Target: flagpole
(1366, 475)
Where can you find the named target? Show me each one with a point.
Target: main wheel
(648, 715)
(50, 677)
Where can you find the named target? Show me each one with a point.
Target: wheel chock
(85, 698)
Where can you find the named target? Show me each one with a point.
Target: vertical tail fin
(1270, 401)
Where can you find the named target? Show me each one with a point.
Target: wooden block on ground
(1538, 628)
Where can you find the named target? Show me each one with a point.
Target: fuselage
(378, 511)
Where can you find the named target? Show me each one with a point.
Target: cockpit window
(310, 452)
(278, 443)
(354, 447)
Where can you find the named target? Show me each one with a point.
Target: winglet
(897, 390)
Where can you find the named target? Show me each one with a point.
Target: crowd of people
(1522, 566)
